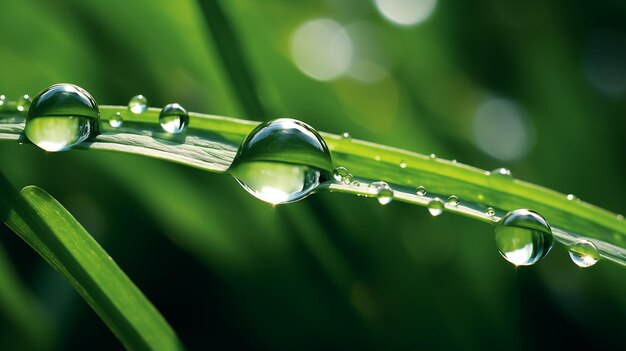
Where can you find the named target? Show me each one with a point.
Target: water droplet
(453, 200)
(138, 104)
(346, 135)
(23, 103)
(584, 253)
(421, 191)
(348, 178)
(490, 212)
(339, 173)
(356, 183)
(435, 207)
(3, 99)
(173, 118)
(384, 194)
(402, 164)
(620, 217)
(116, 120)
(282, 161)
(61, 117)
(433, 156)
(502, 172)
(523, 237)
(571, 197)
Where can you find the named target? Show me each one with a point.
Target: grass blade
(52, 231)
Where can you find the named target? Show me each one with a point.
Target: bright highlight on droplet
(173, 118)
(406, 12)
(116, 120)
(322, 49)
(138, 104)
(383, 192)
(500, 129)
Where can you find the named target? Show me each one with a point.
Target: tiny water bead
(3, 100)
(584, 253)
(505, 172)
(384, 193)
(453, 201)
(24, 102)
(421, 191)
(340, 173)
(570, 197)
(490, 212)
(116, 120)
(138, 104)
(173, 118)
(402, 164)
(523, 237)
(346, 135)
(282, 161)
(61, 117)
(435, 207)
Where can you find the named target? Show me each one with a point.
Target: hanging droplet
(282, 161)
(23, 103)
(339, 173)
(435, 207)
(116, 120)
(138, 104)
(61, 117)
(502, 172)
(453, 201)
(384, 194)
(173, 118)
(402, 164)
(490, 212)
(421, 191)
(584, 253)
(523, 237)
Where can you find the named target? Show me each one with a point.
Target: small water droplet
(282, 161)
(502, 172)
(421, 191)
(453, 200)
(116, 120)
(60, 117)
(523, 237)
(384, 194)
(571, 197)
(620, 217)
(487, 173)
(490, 212)
(346, 135)
(584, 253)
(138, 104)
(339, 173)
(402, 164)
(454, 161)
(356, 183)
(3, 100)
(435, 207)
(433, 156)
(173, 118)
(23, 103)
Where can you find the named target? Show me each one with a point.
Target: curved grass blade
(52, 231)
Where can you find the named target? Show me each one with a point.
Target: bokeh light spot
(406, 12)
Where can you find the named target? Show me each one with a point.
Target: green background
(334, 270)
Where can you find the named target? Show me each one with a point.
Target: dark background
(535, 86)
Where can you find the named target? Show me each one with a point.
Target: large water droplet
(523, 237)
(584, 253)
(138, 104)
(61, 117)
(23, 103)
(502, 172)
(435, 207)
(282, 161)
(384, 194)
(173, 118)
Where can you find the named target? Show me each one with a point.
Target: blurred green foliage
(332, 271)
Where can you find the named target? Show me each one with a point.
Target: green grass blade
(52, 231)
